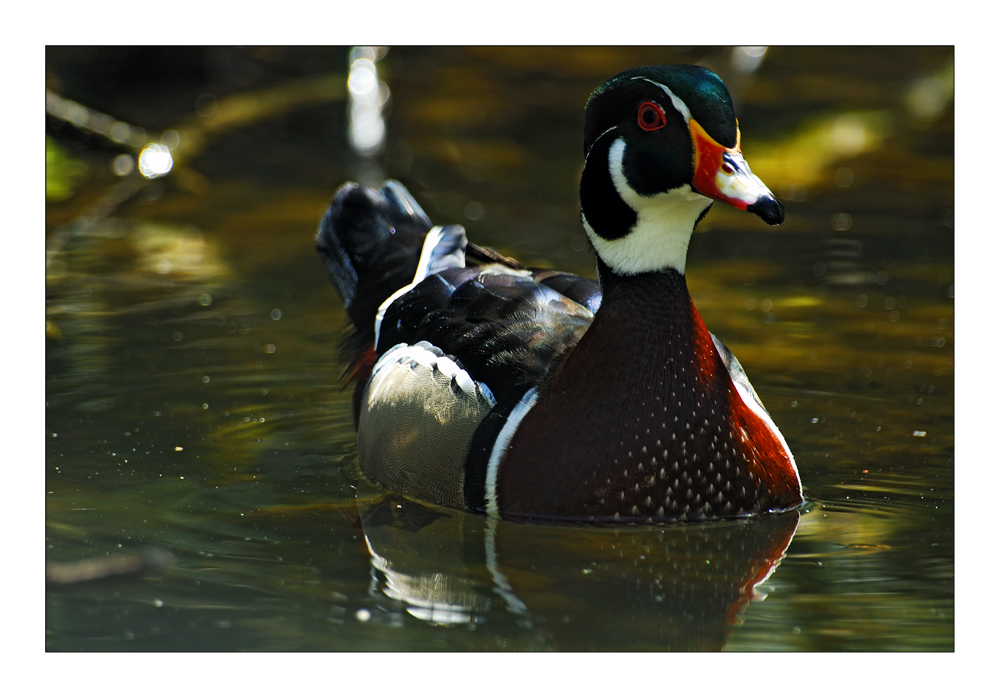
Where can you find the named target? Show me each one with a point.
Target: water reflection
(153, 285)
(747, 59)
(368, 97)
(829, 140)
(931, 94)
(675, 587)
(151, 564)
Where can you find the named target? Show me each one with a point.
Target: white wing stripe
(434, 236)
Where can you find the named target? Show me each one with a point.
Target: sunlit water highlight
(199, 439)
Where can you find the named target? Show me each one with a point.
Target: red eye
(651, 117)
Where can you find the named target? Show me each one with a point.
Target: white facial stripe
(500, 447)
(434, 236)
(663, 227)
(603, 134)
(674, 99)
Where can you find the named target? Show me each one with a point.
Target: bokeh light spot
(843, 177)
(123, 165)
(155, 161)
(841, 222)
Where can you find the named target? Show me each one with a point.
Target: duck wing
(405, 281)
(448, 339)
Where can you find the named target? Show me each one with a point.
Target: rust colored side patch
(767, 458)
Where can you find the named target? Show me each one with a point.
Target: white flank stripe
(434, 236)
(500, 447)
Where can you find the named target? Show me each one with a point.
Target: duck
(529, 394)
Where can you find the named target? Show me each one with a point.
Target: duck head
(661, 144)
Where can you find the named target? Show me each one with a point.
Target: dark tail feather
(370, 241)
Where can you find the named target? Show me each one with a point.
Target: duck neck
(648, 421)
(633, 232)
(647, 328)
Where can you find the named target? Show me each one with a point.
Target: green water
(195, 405)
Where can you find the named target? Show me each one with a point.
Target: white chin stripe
(663, 227)
(500, 448)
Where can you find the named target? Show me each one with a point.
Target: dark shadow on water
(679, 587)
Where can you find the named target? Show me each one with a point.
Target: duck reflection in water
(679, 587)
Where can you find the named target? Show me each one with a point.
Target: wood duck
(534, 394)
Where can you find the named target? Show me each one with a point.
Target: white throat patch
(664, 223)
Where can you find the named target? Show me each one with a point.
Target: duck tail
(370, 241)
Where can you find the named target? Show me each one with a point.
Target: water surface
(200, 451)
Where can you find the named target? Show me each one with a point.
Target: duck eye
(727, 167)
(651, 117)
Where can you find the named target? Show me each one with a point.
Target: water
(200, 451)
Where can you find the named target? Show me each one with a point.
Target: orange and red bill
(722, 174)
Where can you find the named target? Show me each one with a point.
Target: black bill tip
(769, 209)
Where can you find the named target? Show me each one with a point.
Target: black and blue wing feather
(508, 327)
